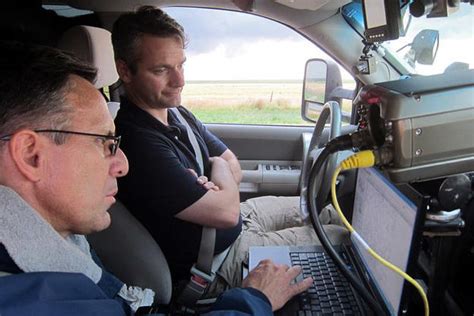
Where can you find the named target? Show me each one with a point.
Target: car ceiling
(294, 13)
(317, 20)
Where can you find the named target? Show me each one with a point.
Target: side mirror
(425, 44)
(423, 49)
(322, 83)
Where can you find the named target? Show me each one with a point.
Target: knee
(337, 234)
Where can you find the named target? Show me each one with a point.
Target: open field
(245, 102)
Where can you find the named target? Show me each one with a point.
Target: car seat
(129, 252)
(126, 248)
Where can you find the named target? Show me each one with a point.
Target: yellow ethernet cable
(365, 159)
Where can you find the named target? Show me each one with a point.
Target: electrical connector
(383, 156)
(362, 159)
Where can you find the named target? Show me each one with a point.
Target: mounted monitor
(382, 20)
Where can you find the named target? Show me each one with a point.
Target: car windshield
(414, 51)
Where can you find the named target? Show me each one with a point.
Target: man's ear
(123, 70)
(26, 152)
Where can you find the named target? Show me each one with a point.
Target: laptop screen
(385, 219)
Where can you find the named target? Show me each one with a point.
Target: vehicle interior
(412, 104)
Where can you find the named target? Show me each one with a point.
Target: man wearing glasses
(59, 164)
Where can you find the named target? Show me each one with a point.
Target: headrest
(93, 45)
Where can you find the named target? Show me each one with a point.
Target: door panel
(259, 142)
(270, 156)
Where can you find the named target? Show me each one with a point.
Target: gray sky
(227, 45)
(234, 46)
(225, 25)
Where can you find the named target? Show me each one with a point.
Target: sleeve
(165, 183)
(238, 301)
(215, 146)
(52, 293)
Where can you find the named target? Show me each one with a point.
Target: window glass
(430, 45)
(67, 11)
(243, 69)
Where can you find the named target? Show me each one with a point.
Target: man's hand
(221, 174)
(274, 280)
(233, 164)
(204, 181)
(208, 185)
(216, 208)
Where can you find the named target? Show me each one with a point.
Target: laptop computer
(390, 222)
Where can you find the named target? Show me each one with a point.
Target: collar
(146, 120)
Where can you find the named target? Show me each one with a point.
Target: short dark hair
(129, 28)
(34, 82)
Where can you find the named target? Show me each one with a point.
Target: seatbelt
(202, 272)
(192, 139)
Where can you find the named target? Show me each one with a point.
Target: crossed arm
(234, 165)
(220, 205)
(220, 208)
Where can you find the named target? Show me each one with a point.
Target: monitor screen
(375, 13)
(385, 219)
(382, 20)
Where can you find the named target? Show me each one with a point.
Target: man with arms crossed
(59, 164)
(160, 190)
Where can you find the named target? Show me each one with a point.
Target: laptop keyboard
(330, 293)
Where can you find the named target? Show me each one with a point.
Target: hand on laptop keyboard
(275, 281)
(331, 293)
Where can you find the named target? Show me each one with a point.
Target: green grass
(247, 102)
(250, 115)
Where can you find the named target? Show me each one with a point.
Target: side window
(244, 69)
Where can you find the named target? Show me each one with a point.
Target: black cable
(316, 202)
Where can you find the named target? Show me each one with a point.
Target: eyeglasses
(112, 146)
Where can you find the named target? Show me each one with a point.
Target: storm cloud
(206, 29)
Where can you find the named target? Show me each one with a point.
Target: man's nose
(177, 79)
(119, 166)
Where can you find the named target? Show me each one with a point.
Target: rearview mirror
(322, 83)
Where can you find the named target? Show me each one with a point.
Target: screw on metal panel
(418, 152)
(418, 131)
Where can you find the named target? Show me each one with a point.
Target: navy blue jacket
(57, 293)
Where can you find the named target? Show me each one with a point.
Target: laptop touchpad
(278, 254)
